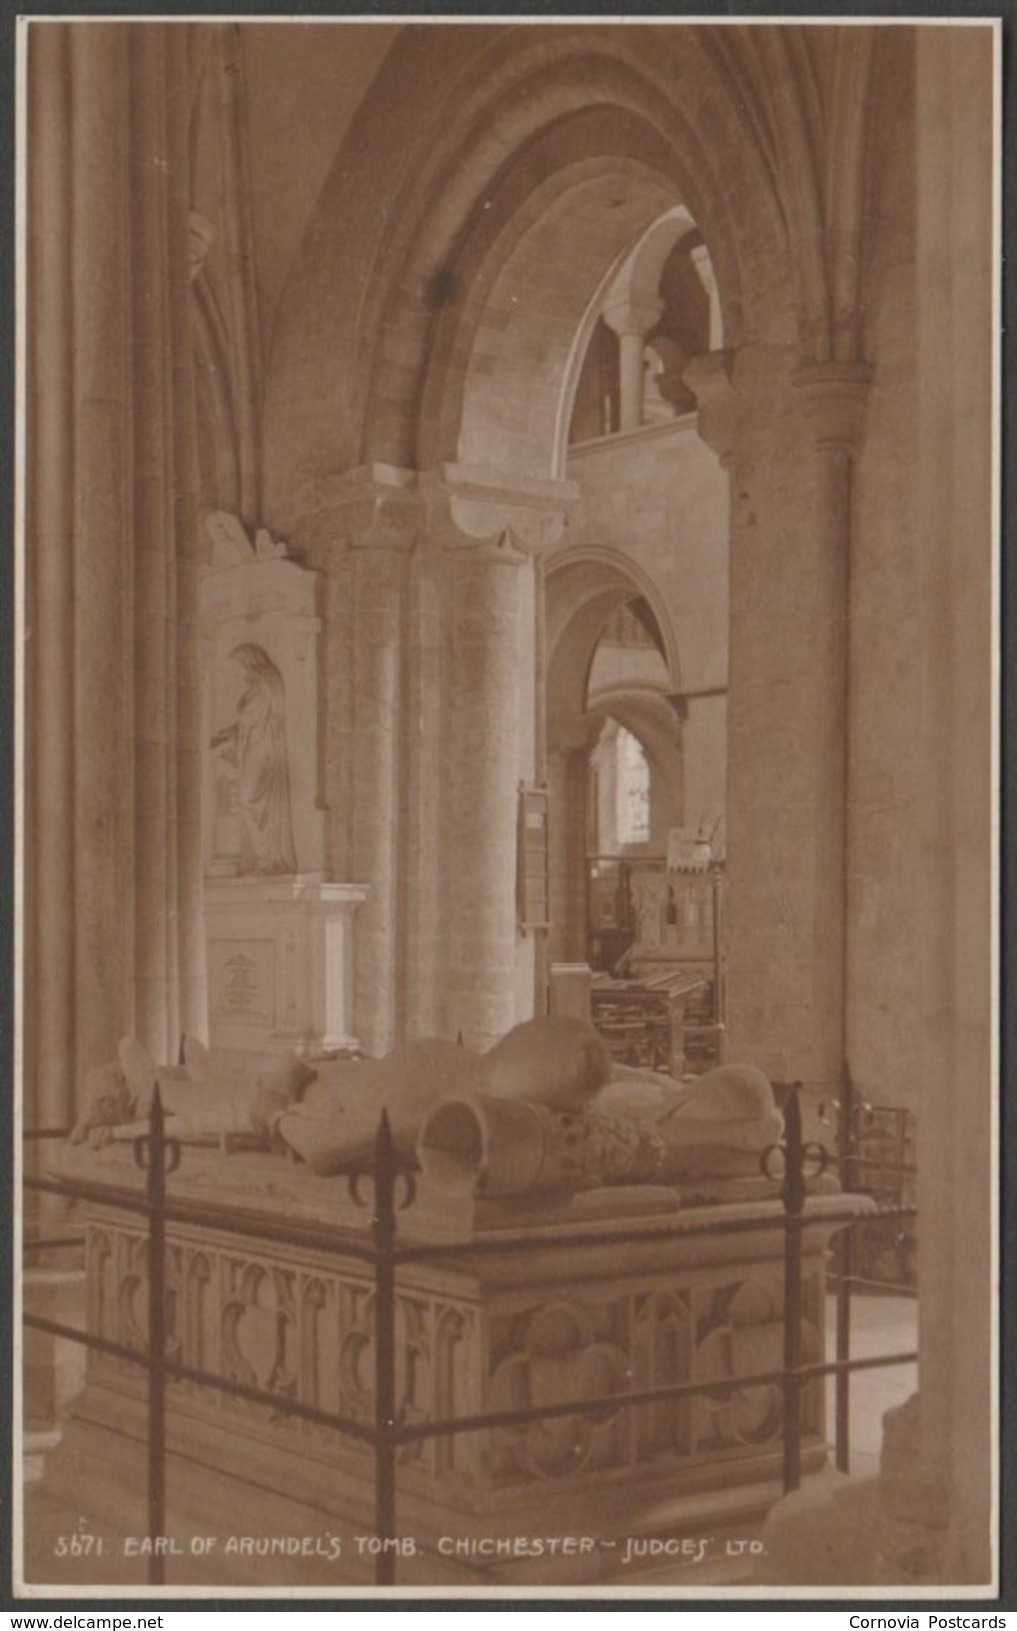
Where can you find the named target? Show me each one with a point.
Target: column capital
(834, 395)
(709, 378)
(632, 316)
(376, 506)
(477, 506)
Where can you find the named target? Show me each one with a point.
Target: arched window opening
(659, 312)
(632, 790)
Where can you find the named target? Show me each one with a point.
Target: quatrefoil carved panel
(556, 1357)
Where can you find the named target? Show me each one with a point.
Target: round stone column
(49, 657)
(114, 873)
(379, 575)
(482, 786)
(787, 441)
(104, 777)
(833, 397)
(423, 939)
(362, 537)
(956, 611)
(632, 322)
(379, 596)
(568, 773)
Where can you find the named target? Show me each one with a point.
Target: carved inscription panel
(241, 979)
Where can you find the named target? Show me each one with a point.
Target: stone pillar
(483, 771)
(701, 746)
(380, 574)
(431, 684)
(189, 747)
(104, 709)
(52, 1368)
(632, 322)
(490, 534)
(569, 743)
(114, 874)
(49, 676)
(957, 338)
(423, 948)
(157, 997)
(362, 536)
(788, 446)
(168, 969)
(833, 397)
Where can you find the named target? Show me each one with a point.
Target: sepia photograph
(507, 696)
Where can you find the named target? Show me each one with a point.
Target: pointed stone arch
(583, 586)
(648, 716)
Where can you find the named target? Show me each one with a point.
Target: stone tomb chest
(495, 1330)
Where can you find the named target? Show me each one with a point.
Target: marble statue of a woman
(255, 748)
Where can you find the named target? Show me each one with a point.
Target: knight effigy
(509, 1151)
(546, 1110)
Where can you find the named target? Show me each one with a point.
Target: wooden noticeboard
(532, 878)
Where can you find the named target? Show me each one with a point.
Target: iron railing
(894, 1191)
(793, 1162)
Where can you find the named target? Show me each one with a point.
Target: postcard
(507, 684)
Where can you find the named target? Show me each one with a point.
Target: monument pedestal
(280, 962)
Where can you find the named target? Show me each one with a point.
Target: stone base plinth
(280, 962)
(894, 1531)
(52, 1368)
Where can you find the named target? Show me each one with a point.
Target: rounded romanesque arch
(421, 373)
(428, 225)
(502, 362)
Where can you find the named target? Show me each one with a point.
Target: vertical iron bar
(541, 947)
(718, 996)
(156, 1339)
(384, 1353)
(845, 1268)
(793, 1197)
